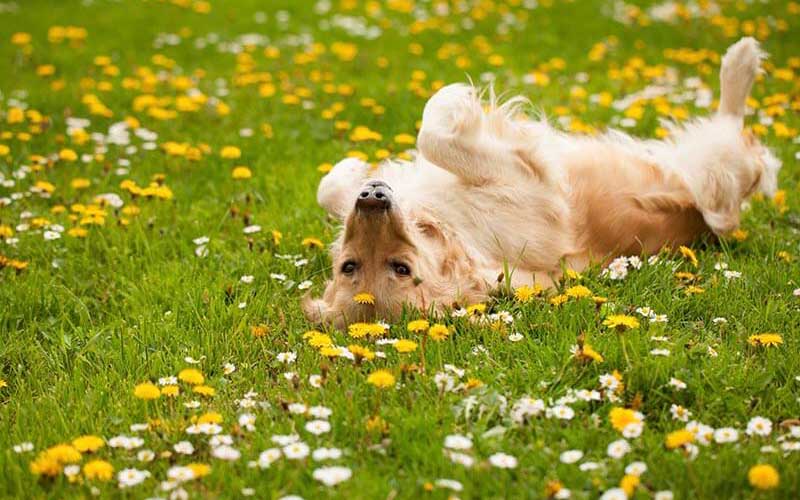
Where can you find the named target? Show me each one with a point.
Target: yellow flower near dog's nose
(763, 477)
(146, 391)
(364, 298)
(241, 173)
(418, 326)
(382, 379)
(230, 152)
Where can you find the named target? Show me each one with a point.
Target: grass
(91, 317)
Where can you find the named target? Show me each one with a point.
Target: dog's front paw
(453, 109)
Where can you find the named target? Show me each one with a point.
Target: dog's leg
(458, 136)
(720, 163)
(740, 66)
(338, 189)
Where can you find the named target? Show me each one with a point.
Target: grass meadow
(158, 227)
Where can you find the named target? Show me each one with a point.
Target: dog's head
(390, 257)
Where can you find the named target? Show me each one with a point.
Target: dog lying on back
(490, 192)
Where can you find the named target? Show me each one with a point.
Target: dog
(490, 192)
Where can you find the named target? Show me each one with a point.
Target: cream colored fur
(490, 191)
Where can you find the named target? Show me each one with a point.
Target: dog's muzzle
(375, 195)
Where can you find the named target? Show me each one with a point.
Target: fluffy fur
(490, 191)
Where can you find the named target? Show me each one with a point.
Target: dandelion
(98, 470)
(621, 322)
(382, 379)
(191, 376)
(689, 255)
(765, 340)
(364, 298)
(525, 293)
(438, 332)
(146, 391)
(88, 443)
(578, 292)
(763, 477)
(230, 152)
(312, 243)
(418, 326)
(404, 346)
(241, 173)
(678, 438)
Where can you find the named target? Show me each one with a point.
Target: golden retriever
(490, 191)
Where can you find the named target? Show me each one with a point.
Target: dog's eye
(348, 267)
(401, 269)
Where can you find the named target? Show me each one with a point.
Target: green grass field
(154, 105)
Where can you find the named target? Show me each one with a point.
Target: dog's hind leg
(740, 66)
(479, 147)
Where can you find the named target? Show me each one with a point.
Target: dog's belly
(626, 205)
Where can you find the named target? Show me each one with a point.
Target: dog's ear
(316, 310)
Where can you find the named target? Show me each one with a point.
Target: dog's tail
(740, 66)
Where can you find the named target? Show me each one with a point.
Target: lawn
(158, 227)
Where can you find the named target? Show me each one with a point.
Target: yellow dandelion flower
(765, 340)
(191, 376)
(621, 322)
(230, 152)
(98, 470)
(526, 292)
(382, 379)
(476, 309)
(694, 290)
(364, 298)
(241, 173)
(361, 352)
(330, 351)
(578, 292)
(438, 332)
(558, 299)
(312, 243)
(404, 346)
(170, 391)
(689, 254)
(622, 417)
(146, 391)
(68, 155)
(629, 484)
(211, 417)
(200, 470)
(763, 477)
(418, 326)
(204, 390)
(740, 235)
(678, 438)
(259, 330)
(88, 443)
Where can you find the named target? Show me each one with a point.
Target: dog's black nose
(375, 195)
